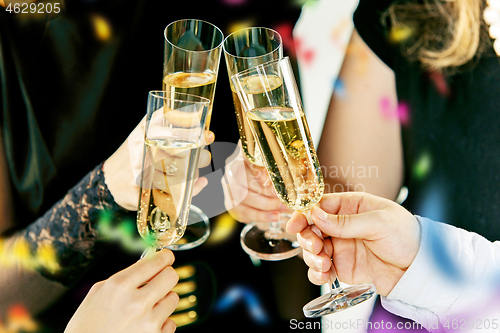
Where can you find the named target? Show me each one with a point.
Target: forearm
(452, 281)
(57, 248)
(360, 149)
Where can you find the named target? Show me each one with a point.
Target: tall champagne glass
(278, 123)
(191, 64)
(175, 123)
(244, 49)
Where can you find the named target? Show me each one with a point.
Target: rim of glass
(177, 96)
(249, 28)
(256, 68)
(186, 50)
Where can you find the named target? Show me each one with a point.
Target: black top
(451, 140)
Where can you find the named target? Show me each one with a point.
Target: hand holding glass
(174, 134)
(279, 125)
(244, 49)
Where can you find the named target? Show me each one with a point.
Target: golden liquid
(198, 84)
(165, 193)
(250, 148)
(289, 156)
(255, 88)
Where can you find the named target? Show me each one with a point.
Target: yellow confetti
(46, 257)
(240, 25)
(400, 33)
(21, 251)
(17, 252)
(223, 227)
(102, 28)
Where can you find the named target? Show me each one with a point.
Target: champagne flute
(244, 49)
(175, 124)
(191, 64)
(278, 123)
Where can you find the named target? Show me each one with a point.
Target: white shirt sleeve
(453, 285)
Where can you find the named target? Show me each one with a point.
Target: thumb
(360, 226)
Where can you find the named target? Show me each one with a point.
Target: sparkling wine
(255, 86)
(250, 148)
(289, 155)
(165, 194)
(198, 84)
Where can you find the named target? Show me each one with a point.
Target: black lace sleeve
(69, 228)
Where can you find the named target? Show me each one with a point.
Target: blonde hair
(447, 34)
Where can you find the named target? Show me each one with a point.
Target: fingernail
(318, 275)
(318, 262)
(309, 245)
(320, 213)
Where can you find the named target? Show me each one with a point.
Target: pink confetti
(307, 55)
(400, 112)
(234, 2)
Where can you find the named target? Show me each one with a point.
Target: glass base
(339, 300)
(197, 231)
(268, 245)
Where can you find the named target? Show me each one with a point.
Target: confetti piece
(305, 3)
(235, 294)
(440, 83)
(47, 257)
(306, 55)
(239, 25)
(125, 233)
(358, 51)
(286, 32)
(19, 320)
(21, 254)
(339, 88)
(18, 253)
(338, 31)
(400, 33)
(442, 256)
(234, 2)
(223, 227)
(400, 112)
(423, 166)
(102, 27)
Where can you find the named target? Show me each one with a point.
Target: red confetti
(18, 311)
(440, 83)
(307, 55)
(286, 32)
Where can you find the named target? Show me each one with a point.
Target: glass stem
(334, 280)
(275, 232)
(275, 227)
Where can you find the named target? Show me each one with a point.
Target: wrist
(119, 181)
